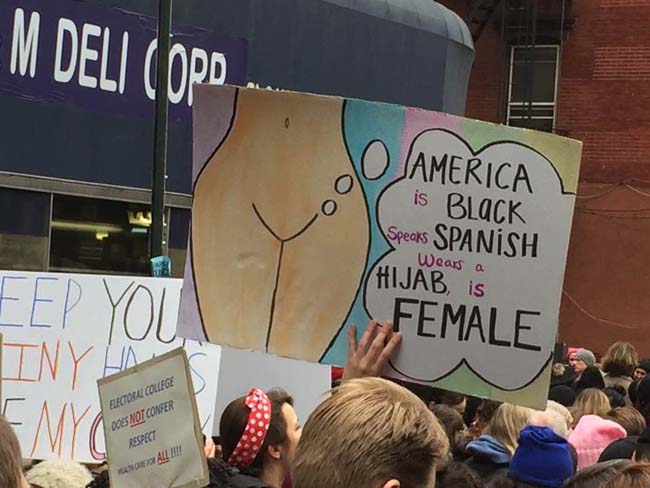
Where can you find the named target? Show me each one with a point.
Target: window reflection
(103, 236)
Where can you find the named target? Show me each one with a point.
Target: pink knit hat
(591, 436)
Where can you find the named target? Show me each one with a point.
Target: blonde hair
(367, 432)
(506, 424)
(10, 458)
(562, 410)
(629, 418)
(620, 359)
(56, 473)
(552, 419)
(590, 402)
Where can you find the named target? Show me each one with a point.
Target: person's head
(582, 358)
(590, 402)
(58, 473)
(457, 401)
(485, 411)
(642, 394)
(451, 420)
(642, 369)
(591, 377)
(370, 433)
(563, 411)
(632, 476)
(506, 424)
(563, 394)
(551, 419)
(101, 480)
(458, 475)
(259, 433)
(504, 481)
(620, 359)
(642, 451)
(629, 418)
(11, 470)
(541, 443)
(591, 436)
(599, 475)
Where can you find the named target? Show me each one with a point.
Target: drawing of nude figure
(280, 228)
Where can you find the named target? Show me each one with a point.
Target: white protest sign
(153, 437)
(96, 308)
(240, 371)
(455, 230)
(57, 329)
(461, 280)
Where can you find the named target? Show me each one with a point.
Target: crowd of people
(370, 432)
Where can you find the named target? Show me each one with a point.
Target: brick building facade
(603, 99)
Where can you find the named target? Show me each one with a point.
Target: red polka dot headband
(257, 426)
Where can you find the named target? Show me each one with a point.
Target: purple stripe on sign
(104, 59)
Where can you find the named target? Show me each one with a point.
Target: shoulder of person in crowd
(223, 475)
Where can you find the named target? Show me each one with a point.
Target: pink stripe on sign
(417, 120)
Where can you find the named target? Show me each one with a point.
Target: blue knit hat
(542, 458)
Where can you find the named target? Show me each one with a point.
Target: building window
(99, 236)
(24, 229)
(532, 90)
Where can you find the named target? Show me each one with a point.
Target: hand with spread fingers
(370, 356)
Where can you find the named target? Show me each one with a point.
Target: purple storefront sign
(103, 58)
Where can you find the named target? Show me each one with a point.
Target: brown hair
(599, 475)
(504, 481)
(451, 420)
(590, 402)
(10, 457)
(620, 359)
(486, 410)
(457, 474)
(632, 476)
(367, 432)
(235, 418)
(506, 424)
(446, 397)
(629, 418)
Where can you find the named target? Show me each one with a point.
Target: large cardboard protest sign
(153, 436)
(307, 383)
(311, 213)
(62, 332)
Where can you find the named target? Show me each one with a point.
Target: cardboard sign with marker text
(151, 427)
(342, 211)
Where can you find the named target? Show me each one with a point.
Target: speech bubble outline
(392, 249)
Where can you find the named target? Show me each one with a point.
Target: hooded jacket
(489, 458)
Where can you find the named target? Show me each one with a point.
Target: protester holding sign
(259, 432)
